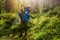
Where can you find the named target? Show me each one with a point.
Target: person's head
(22, 8)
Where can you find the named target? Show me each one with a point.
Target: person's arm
(29, 15)
(32, 17)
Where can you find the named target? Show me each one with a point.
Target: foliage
(45, 26)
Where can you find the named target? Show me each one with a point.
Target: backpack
(25, 17)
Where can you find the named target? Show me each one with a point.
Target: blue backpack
(26, 16)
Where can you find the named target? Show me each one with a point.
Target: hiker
(24, 15)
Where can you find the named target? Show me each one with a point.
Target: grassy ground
(45, 26)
